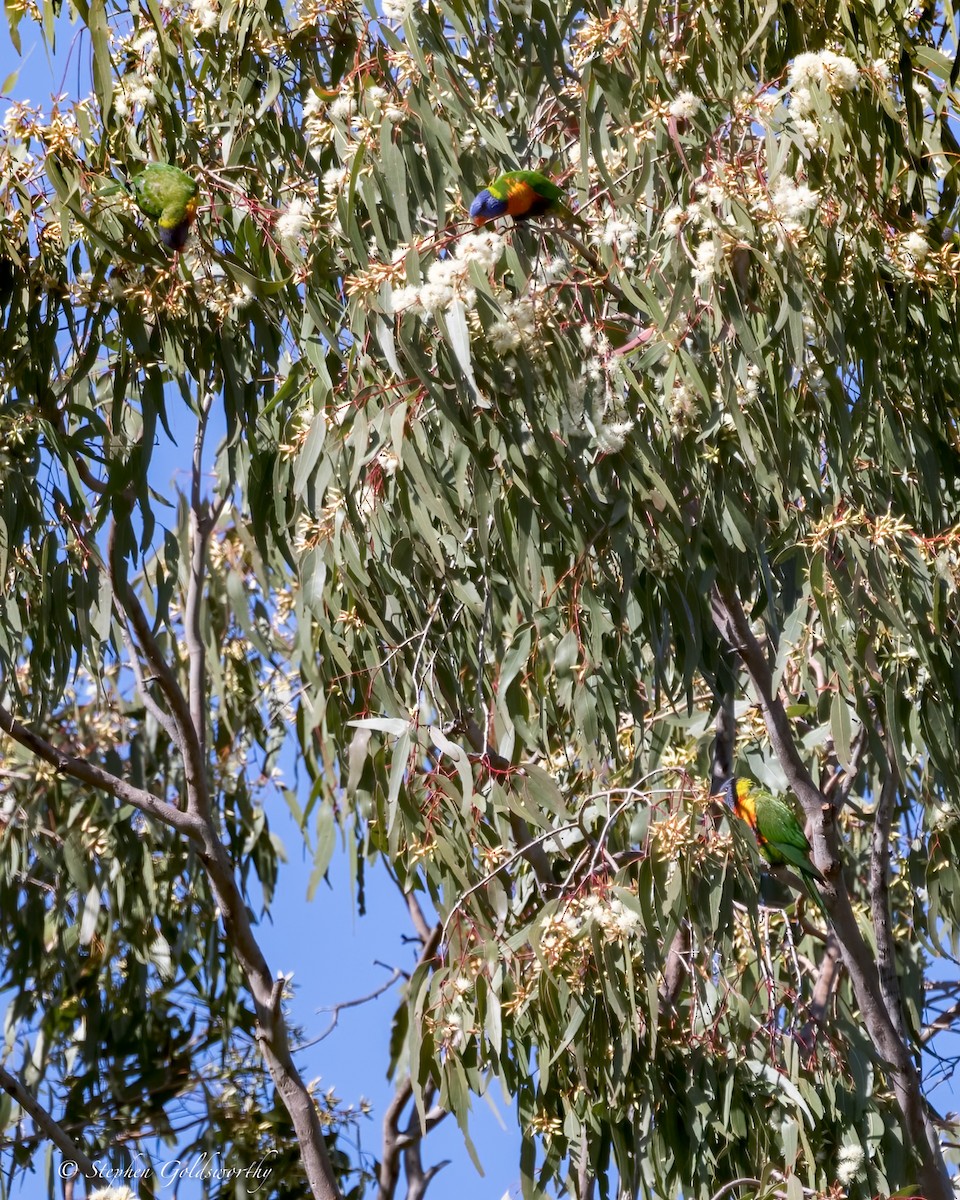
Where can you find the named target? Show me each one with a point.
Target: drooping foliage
(487, 490)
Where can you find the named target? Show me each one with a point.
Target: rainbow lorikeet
(522, 195)
(168, 195)
(779, 834)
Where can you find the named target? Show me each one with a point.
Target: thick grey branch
(880, 899)
(272, 1029)
(47, 1125)
(86, 772)
(733, 625)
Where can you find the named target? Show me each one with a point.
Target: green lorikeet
(779, 834)
(522, 195)
(168, 195)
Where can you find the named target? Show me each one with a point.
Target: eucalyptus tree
(532, 535)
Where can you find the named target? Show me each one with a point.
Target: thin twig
(336, 1009)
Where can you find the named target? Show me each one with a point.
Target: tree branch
(823, 989)
(161, 716)
(187, 738)
(239, 933)
(44, 1121)
(940, 1024)
(193, 634)
(733, 625)
(396, 1143)
(336, 1009)
(86, 772)
(880, 899)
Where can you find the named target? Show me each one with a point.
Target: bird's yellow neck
(744, 804)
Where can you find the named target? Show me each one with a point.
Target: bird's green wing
(777, 822)
(541, 185)
(782, 853)
(163, 191)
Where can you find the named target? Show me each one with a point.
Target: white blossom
(881, 70)
(923, 94)
(312, 106)
(673, 220)
(294, 219)
(827, 69)
(504, 337)
(484, 248)
(405, 299)
(397, 10)
(517, 326)
(849, 1162)
(791, 200)
(388, 463)
(620, 233)
(334, 179)
(205, 12)
(684, 106)
(610, 437)
(342, 108)
(915, 244)
(809, 131)
(706, 262)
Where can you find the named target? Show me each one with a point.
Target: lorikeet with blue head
(522, 195)
(169, 196)
(777, 828)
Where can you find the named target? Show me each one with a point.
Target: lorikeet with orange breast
(779, 834)
(522, 195)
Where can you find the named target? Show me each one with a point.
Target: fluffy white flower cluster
(826, 71)
(681, 407)
(569, 924)
(792, 201)
(397, 10)
(484, 248)
(622, 234)
(849, 1161)
(294, 219)
(684, 106)
(132, 91)
(915, 245)
(613, 917)
(705, 264)
(204, 14)
(517, 326)
(448, 278)
(748, 392)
